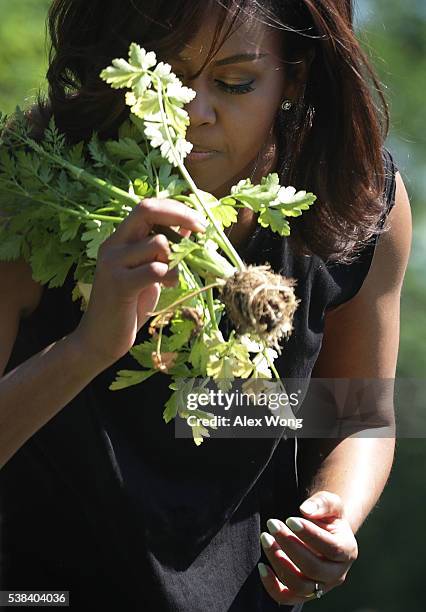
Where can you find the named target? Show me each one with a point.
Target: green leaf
(146, 107)
(125, 148)
(10, 245)
(7, 163)
(227, 215)
(129, 130)
(142, 352)
(275, 220)
(171, 408)
(75, 155)
(181, 333)
(242, 362)
(179, 399)
(49, 265)
(127, 378)
(199, 432)
(293, 205)
(69, 225)
(141, 188)
(198, 356)
(27, 163)
(121, 74)
(141, 59)
(180, 250)
(97, 153)
(178, 117)
(228, 201)
(169, 295)
(95, 235)
(180, 369)
(256, 196)
(53, 140)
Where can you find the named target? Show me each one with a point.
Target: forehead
(248, 35)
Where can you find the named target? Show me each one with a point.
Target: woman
(122, 513)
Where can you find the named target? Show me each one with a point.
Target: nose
(201, 109)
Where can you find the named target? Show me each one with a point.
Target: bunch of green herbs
(59, 203)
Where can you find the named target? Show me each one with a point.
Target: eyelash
(236, 89)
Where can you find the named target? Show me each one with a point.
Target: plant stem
(204, 267)
(182, 300)
(224, 242)
(84, 176)
(210, 305)
(271, 363)
(67, 211)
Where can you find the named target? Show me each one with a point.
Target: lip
(199, 154)
(201, 149)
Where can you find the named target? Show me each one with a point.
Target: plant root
(261, 303)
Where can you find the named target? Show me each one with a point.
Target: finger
(151, 211)
(284, 567)
(277, 590)
(308, 563)
(136, 279)
(154, 248)
(184, 232)
(171, 279)
(322, 504)
(318, 539)
(315, 535)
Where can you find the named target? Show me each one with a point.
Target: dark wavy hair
(331, 143)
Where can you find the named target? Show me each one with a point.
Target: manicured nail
(294, 523)
(267, 540)
(309, 507)
(262, 570)
(274, 526)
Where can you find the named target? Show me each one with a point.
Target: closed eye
(231, 88)
(236, 89)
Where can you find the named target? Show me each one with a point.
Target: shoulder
(394, 246)
(392, 252)
(361, 336)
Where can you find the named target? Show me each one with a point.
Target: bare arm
(343, 478)
(357, 468)
(131, 267)
(37, 389)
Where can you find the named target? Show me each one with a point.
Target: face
(238, 96)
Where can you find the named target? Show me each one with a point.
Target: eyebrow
(235, 59)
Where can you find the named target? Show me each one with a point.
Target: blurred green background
(388, 577)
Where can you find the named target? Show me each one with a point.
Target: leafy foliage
(61, 203)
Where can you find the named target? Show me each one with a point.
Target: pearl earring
(286, 105)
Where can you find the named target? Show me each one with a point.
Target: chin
(205, 181)
(220, 187)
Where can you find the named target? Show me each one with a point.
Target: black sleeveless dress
(104, 502)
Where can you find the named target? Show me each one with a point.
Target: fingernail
(294, 524)
(262, 570)
(267, 540)
(274, 526)
(309, 507)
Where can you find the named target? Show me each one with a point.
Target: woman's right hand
(130, 268)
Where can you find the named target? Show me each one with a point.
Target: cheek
(247, 127)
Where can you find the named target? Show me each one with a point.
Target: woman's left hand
(319, 550)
